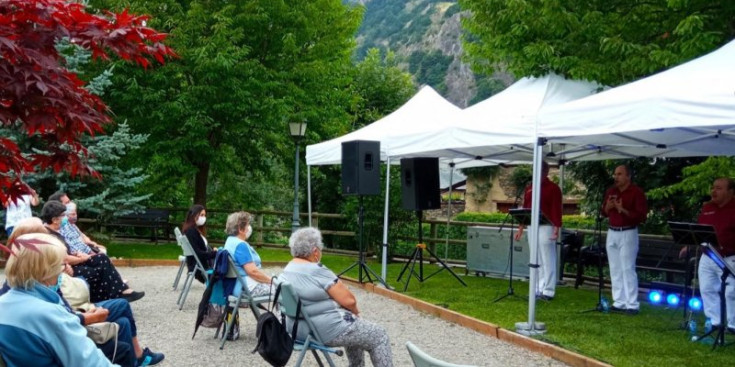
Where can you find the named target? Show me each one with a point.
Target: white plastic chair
(182, 259)
(233, 303)
(288, 302)
(198, 267)
(421, 359)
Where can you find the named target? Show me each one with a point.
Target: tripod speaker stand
(418, 256)
(363, 271)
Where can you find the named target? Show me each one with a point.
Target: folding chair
(182, 259)
(198, 267)
(233, 302)
(288, 302)
(421, 359)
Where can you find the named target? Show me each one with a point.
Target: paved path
(164, 328)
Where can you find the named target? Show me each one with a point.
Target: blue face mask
(56, 286)
(64, 221)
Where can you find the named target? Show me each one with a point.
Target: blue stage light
(672, 299)
(655, 296)
(695, 304)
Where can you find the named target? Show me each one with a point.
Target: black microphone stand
(508, 219)
(602, 304)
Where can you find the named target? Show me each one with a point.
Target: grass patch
(652, 338)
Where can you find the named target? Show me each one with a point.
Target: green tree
(612, 42)
(219, 113)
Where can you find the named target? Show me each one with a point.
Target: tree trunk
(200, 184)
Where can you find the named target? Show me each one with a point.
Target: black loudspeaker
(420, 183)
(361, 167)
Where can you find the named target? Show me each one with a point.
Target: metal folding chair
(198, 267)
(182, 259)
(288, 301)
(421, 359)
(234, 302)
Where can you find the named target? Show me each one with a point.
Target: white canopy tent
(499, 129)
(688, 110)
(425, 111)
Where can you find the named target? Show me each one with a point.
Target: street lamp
(297, 131)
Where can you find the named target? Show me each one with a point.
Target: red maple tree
(42, 98)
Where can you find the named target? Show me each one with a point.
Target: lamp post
(297, 131)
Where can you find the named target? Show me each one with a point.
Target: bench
(153, 221)
(657, 262)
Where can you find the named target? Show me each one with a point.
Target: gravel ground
(164, 328)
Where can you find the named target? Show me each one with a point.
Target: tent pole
(308, 190)
(532, 327)
(384, 260)
(449, 211)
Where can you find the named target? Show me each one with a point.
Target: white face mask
(248, 232)
(201, 220)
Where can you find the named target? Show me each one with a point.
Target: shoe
(730, 330)
(617, 309)
(133, 296)
(632, 311)
(544, 297)
(150, 358)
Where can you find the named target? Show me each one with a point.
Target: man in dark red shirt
(719, 213)
(551, 209)
(626, 207)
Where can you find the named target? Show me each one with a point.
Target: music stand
(710, 249)
(690, 234)
(418, 256)
(523, 216)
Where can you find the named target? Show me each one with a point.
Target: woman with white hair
(331, 305)
(35, 328)
(247, 259)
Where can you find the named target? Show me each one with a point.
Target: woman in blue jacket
(35, 328)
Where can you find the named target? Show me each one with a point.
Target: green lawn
(652, 338)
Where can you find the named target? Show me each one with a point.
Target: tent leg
(384, 260)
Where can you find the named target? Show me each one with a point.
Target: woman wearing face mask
(35, 328)
(195, 232)
(247, 259)
(103, 279)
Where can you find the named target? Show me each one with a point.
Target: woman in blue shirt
(247, 259)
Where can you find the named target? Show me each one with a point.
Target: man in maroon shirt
(719, 213)
(626, 207)
(551, 209)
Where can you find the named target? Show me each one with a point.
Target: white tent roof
(425, 111)
(684, 111)
(501, 128)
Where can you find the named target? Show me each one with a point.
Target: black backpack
(275, 345)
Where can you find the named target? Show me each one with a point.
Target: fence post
(315, 219)
(432, 234)
(259, 218)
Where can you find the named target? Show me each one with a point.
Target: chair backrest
(177, 234)
(421, 359)
(288, 301)
(233, 273)
(186, 247)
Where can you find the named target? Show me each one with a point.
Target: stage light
(672, 299)
(695, 304)
(655, 297)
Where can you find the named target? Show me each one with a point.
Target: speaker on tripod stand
(361, 176)
(419, 192)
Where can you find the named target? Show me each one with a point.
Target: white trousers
(622, 250)
(709, 286)
(546, 279)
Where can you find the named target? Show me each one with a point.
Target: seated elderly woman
(330, 304)
(247, 259)
(35, 329)
(96, 268)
